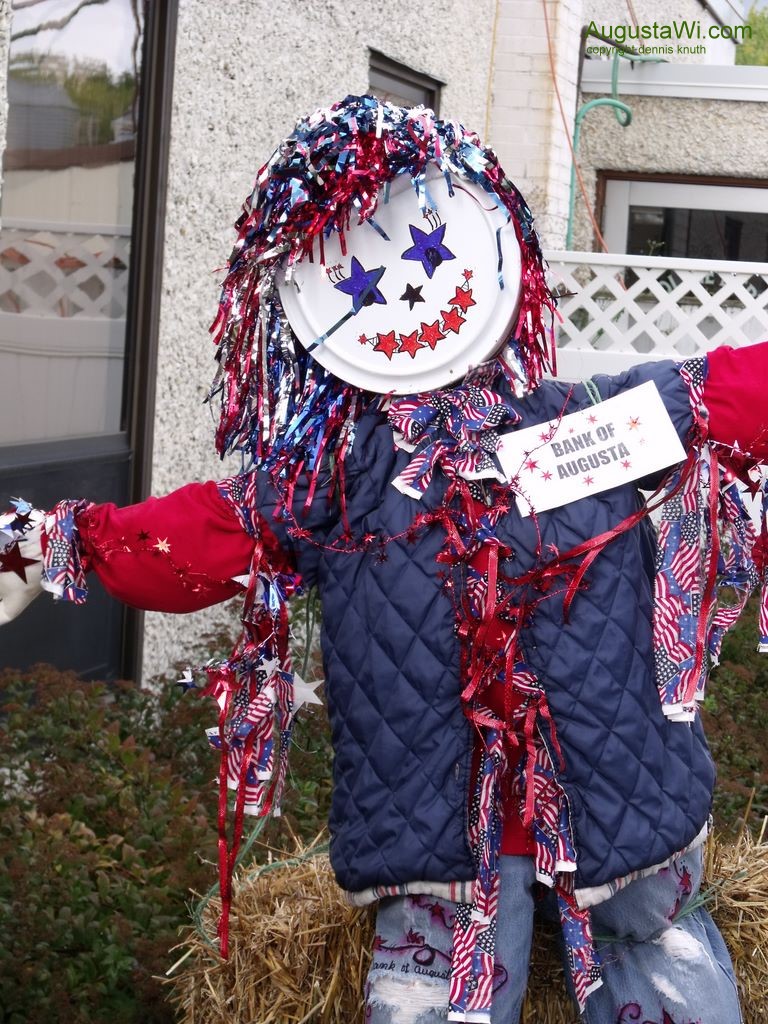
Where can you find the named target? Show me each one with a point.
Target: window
(89, 90)
(686, 220)
(67, 200)
(390, 80)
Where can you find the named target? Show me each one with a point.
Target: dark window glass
(390, 80)
(698, 234)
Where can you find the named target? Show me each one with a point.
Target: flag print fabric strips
(63, 568)
(708, 550)
(457, 429)
(255, 695)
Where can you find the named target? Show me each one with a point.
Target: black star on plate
(412, 295)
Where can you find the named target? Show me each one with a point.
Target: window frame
(128, 453)
(379, 64)
(618, 192)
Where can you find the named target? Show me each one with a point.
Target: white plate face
(415, 310)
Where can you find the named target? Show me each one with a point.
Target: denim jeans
(664, 961)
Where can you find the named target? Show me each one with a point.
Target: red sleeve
(172, 554)
(736, 397)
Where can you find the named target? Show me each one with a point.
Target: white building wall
(526, 127)
(244, 71)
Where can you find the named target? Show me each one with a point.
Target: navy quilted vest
(638, 786)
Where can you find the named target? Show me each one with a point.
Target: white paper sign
(614, 442)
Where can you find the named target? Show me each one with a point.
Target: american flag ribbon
(63, 557)
(474, 931)
(706, 544)
(254, 691)
(457, 429)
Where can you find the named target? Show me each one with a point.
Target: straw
(300, 954)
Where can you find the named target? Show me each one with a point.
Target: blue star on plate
(361, 285)
(428, 249)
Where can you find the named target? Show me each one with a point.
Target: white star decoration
(304, 693)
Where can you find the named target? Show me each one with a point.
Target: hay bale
(300, 954)
(737, 893)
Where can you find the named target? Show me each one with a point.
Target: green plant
(105, 823)
(736, 721)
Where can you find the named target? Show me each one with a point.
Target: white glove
(21, 559)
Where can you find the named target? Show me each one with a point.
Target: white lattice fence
(45, 272)
(619, 310)
(63, 298)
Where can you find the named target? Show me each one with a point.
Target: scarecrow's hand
(21, 559)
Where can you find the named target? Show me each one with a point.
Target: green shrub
(736, 722)
(107, 819)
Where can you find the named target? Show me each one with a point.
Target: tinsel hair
(279, 407)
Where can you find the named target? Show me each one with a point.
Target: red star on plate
(592, 418)
(589, 480)
(452, 320)
(531, 464)
(546, 475)
(468, 275)
(431, 334)
(634, 422)
(545, 437)
(409, 344)
(463, 299)
(626, 463)
(363, 340)
(12, 560)
(162, 545)
(386, 343)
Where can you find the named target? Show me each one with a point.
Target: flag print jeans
(664, 961)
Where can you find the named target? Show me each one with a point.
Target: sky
(102, 32)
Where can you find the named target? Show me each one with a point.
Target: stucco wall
(674, 136)
(608, 13)
(244, 71)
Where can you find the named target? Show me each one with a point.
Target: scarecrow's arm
(736, 398)
(179, 553)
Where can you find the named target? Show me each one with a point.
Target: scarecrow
(514, 654)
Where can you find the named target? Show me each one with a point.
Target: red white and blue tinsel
(278, 406)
